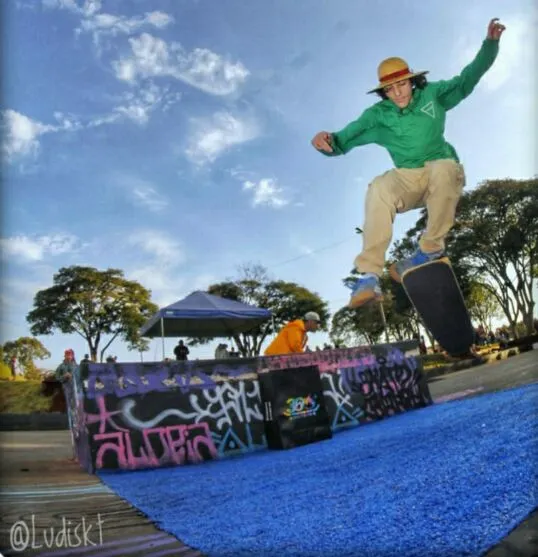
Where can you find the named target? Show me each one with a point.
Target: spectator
(221, 352)
(14, 367)
(293, 337)
(234, 353)
(181, 351)
(65, 371)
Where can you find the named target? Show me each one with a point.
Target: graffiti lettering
(377, 405)
(159, 447)
(137, 415)
(230, 402)
(345, 412)
(104, 417)
(227, 403)
(377, 377)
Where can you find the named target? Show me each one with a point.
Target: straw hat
(393, 70)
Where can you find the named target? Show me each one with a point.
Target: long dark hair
(417, 82)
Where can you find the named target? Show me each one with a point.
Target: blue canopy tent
(204, 315)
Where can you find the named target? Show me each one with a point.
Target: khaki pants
(437, 186)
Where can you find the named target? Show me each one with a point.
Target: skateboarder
(409, 122)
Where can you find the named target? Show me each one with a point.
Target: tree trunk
(528, 321)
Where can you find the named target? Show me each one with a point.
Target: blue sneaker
(363, 290)
(397, 269)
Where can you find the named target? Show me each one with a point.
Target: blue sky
(171, 138)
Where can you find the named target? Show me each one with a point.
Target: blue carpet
(448, 480)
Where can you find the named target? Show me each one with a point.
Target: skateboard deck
(435, 293)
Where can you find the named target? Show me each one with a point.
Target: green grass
(5, 372)
(22, 397)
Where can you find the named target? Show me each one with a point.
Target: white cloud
(211, 137)
(103, 25)
(108, 25)
(141, 192)
(138, 106)
(87, 8)
(138, 109)
(150, 198)
(161, 255)
(166, 284)
(515, 57)
(38, 248)
(159, 281)
(200, 68)
(241, 174)
(266, 192)
(21, 133)
(163, 249)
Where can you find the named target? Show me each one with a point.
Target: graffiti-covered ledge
(145, 415)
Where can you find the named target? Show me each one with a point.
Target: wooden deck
(44, 493)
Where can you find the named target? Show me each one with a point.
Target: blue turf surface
(448, 480)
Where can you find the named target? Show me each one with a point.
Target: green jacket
(65, 367)
(415, 134)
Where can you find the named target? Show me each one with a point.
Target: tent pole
(384, 320)
(162, 334)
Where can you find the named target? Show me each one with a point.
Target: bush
(22, 397)
(5, 372)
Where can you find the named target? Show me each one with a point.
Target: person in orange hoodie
(292, 337)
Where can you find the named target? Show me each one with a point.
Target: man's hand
(495, 29)
(322, 142)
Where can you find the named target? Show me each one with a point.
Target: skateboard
(434, 291)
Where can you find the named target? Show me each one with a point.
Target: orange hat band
(394, 75)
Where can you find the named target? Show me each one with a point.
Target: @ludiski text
(70, 534)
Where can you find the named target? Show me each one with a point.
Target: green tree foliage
(100, 306)
(482, 306)
(26, 350)
(356, 327)
(497, 234)
(286, 300)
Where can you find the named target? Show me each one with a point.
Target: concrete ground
(41, 488)
(495, 376)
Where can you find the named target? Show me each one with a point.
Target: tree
(356, 327)
(286, 300)
(92, 304)
(497, 233)
(25, 350)
(482, 305)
